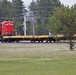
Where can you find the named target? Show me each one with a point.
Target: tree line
(42, 10)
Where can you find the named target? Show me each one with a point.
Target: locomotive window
(6, 24)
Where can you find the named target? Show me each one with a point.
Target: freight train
(7, 34)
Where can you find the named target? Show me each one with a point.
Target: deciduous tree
(64, 21)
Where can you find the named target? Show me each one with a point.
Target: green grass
(38, 67)
(37, 59)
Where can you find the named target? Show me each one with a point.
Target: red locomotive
(7, 28)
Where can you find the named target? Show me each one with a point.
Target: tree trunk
(71, 45)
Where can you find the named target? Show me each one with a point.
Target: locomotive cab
(7, 28)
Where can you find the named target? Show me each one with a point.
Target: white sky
(65, 2)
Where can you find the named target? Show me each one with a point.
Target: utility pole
(24, 24)
(32, 18)
(33, 24)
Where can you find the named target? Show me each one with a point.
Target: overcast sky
(65, 2)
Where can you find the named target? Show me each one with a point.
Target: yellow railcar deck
(26, 37)
(5, 37)
(39, 38)
(31, 38)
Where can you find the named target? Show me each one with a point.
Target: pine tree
(5, 7)
(18, 18)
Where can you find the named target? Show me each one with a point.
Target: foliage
(18, 10)
(5, 12)
(19, 28)
(18, 15)
(38, 27)
(0, 11)
(64, 21)
(42, 10)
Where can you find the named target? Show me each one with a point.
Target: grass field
(37, 59)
